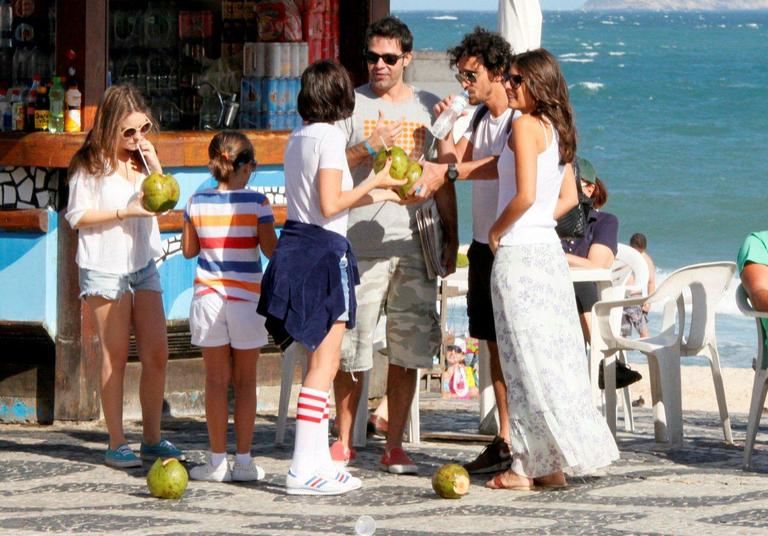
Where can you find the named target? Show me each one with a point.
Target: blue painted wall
(28, 276)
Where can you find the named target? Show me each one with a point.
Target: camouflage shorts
(633, 317)
(397, 287)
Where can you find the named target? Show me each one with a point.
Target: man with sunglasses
(482, 59)
(384, 237)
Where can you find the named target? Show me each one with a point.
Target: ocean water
(671, 109)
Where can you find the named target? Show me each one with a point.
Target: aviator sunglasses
(514, 79)
(466, 76)
(389, 59)
(131, 131)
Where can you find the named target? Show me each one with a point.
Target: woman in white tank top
(555, 428)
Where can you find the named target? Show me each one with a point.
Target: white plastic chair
(707, 283)
(760, 385)
(293, 355)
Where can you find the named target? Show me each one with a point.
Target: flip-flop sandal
(499, 484)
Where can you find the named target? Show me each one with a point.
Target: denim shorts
(112, 286)
(345, 287)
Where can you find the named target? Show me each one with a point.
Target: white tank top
(537, 224)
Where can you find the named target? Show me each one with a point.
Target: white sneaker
(208, 472)
(318, 485)
(247, 473)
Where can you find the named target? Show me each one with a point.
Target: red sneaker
(341, 455)
(397, 461)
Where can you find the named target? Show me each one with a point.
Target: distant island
(674, 5)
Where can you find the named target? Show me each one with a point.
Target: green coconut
(167, 479)
(161, 192)
(412, 174)
(399, 162)
(451, 481)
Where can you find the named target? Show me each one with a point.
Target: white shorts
(216, 321)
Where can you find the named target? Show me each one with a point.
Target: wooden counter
(175, 149)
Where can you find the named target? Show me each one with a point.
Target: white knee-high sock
(310, 409)
(325, 464)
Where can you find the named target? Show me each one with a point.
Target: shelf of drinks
(187, 148)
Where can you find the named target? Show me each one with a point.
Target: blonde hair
(228, 151)
(98, 154)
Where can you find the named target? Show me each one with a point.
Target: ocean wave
(616, 53)
(591, 54)
(607, 22)
(444, 17)
(592, 86)
(577, 60)
(570, 55)
(752, 25)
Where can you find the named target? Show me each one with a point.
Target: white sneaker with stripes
(315, 484)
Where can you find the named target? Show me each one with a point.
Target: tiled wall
(28, 187)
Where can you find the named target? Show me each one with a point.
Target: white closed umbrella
(520, 24)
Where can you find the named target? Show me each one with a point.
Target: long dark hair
(546, 83)
(327, 94)
(98, 154)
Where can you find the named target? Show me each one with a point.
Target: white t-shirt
(310, 149)
(116, 247)
(487, 140)
(537, 224)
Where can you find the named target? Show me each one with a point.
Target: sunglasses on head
(514, 79)
(130, 132)
(466, 76)
(389, 59)
(243, 159)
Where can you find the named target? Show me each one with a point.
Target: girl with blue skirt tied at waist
(308, 288)
(554, 427)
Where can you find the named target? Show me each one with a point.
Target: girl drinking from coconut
(554, 427)
(117, 242)
(227, 227)
(308, 290)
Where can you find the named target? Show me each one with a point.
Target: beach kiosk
(203, 65)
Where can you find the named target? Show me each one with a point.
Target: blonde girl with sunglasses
(117, 243)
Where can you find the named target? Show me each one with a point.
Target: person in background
(227, 228)
(752, 262)
(308, 289)
(636, 316)
(117, 242)
(596, 249)
(554, 426)
(393, 274)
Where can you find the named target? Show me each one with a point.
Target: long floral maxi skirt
(554, 424)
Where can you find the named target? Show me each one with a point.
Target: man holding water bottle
(385, 240)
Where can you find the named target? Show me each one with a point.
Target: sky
(476, 5)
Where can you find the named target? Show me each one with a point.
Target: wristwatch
(453, 173)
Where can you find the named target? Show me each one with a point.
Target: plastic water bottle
(56, 110)
(72, 121)
(447, 119)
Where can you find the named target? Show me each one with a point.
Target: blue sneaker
(121, 457)
(163, 449)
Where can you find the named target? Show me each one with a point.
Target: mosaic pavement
(52, 481)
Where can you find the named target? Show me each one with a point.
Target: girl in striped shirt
(227, 227)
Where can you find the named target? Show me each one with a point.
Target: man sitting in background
(636, 316)
(752, 262)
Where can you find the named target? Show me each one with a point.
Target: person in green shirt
(752, 262)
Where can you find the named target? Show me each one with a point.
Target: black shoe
(495, 458)
(625, 376)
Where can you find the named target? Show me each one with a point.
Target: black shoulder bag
(573, 224)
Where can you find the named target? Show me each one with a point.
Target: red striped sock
(310, 410)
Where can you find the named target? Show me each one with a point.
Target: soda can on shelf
(303, 57)
(273, 63)
(315, 50)
(295, 60)
(282, 94)
(294, 86)
(259, 59)
(270, 121)
(285, 60)
(327, 47)
(271, 95)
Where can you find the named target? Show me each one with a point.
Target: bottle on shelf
(5, 111)
(17, 110)
(72, 120)
(42, 108)
(56, 111)
(30, 99)
(447, 119)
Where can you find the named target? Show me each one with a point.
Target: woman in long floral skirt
(555, 428)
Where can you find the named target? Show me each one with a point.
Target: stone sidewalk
(52, 481)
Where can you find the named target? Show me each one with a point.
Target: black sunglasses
(466, 76)
(131, 132)
(514, 79)
(389, 59)
(243, 159)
